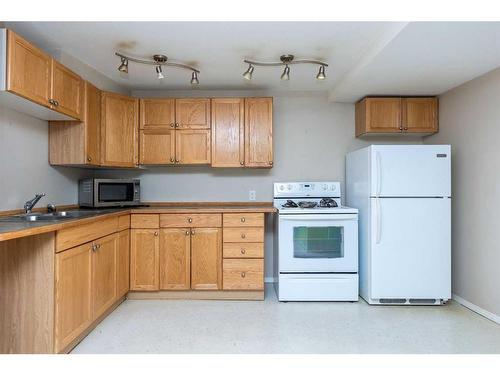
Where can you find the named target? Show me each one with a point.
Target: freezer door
(410, 248)
(411, 171)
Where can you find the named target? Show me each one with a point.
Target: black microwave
(109, 192)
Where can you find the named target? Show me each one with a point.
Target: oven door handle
(318, 217)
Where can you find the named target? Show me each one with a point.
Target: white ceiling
(364, 57)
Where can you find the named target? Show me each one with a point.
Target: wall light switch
(252, 195)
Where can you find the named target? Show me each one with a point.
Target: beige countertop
(16, 229)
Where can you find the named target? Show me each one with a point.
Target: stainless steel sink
(54, 216)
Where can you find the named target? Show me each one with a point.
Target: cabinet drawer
(252, 234)
(243, 274)
(243, 250)
(244, 220)
(145, 221)
(190, 220)
(74, 236)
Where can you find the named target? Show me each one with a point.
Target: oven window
(318, 242)
(116, 192)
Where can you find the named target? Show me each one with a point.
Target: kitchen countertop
(11, 230)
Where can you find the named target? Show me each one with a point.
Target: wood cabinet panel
(157, 146)
(243, 220)
(243, 250)
(119, 130)
(192, 113)
(92, 120)
(73, 303)
(190, 220)
(144, 221)
(259, 132)
(175, 259)
(123, 222)
(104, 273)
(243, 274)
(157, 113)
(28, 70)
(144, 258)
(379, 115)
(244, 234)
(420, 115)
(123, 264)
(228, 132)
(73, 236)
(206, 258)
(66, 91)
(192, 146)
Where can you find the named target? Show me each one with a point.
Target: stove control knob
(333, 188)
(289, 187)
(325, 187)
(282, 187)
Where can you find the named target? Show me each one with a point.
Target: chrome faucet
(28, 206)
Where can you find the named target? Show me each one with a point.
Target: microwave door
(114, 193)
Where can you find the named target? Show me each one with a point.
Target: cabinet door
(259, 132)
(73, 305)
(92, 120)
(192, 146)
(157, 146)
(228, 141)
(383, 115)
(144, 254)
(104, 261)
(123, 263)
(175, 258)
(28, 70)
(119, 130)
(157, 113)
(192, 113)
(67, 91)
(420, 115)
(206, 258)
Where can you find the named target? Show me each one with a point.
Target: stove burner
(307, 204)
(328, 202)
(289, 204)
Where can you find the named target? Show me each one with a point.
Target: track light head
(194, 79)
(286, 73)
(248, 74)
(159, 72)
(123, 66)
(321, 74)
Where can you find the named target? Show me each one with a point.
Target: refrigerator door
(410, 248)
(411, 171)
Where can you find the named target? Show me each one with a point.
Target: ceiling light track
(285, 60)
(157, 61)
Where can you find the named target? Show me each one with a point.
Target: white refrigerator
(403, 194)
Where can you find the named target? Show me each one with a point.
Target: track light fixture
(158, 61)
(285, 60)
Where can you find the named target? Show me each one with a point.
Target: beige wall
(470, 122)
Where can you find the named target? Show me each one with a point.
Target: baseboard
(476, 309)
(256, 295)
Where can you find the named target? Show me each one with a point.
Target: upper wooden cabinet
(78, 143)
(119, 130)
(157, 113)
(36, 76)
(228, 132)
(396, 115)
(192, 113)
(66, 91)
(259, 132)
(192, 146)
(157, 146)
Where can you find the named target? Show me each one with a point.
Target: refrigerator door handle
(379, 173)
(379, 220)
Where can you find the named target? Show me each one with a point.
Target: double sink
(53, 216)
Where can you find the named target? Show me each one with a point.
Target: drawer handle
(243, 251)
(156, 233)
(243, 235)
(242, 219)
(187, 233)
(190, 220)
(243, 274)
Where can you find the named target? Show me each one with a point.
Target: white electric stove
(317, 242)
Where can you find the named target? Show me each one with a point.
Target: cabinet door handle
(176, 124)
(190, 220)
(51, 101)
(187, 233)
(94, 247)
(177, 161)
(242, 219)
(242, 251)
(172, 160)
(243, 235)
(192, 232)
(156, 234)
(270, 163)
(406, 128)
(242, 162)
(172, 125)
(243, 274)
(89, 159)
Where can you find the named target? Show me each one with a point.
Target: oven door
(114, 192)
(318, 243)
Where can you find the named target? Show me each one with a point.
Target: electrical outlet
(252, 195)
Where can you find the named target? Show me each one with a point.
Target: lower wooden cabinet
(144, 258)
(73, 302)
(175, 259)
(243, 274)
(104, 273)
(206, 258)
(123, 263)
